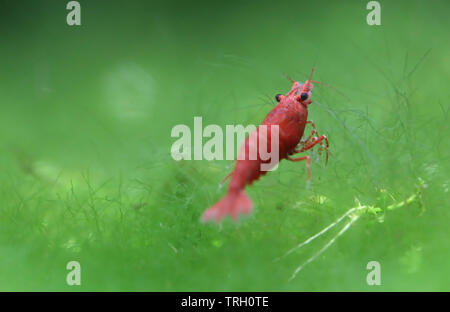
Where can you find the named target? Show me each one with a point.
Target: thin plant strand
(354, 218)
(326, 229)
(324, 248)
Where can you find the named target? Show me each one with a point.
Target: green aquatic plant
(352, 215)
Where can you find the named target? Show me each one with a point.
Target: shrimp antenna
(332, 88)
(327, 85)
(310, 75)
(288, 77)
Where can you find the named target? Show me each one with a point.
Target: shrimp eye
(278, 97)
(303, 96)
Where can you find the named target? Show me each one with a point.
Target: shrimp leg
(308, 164)
(311, 145)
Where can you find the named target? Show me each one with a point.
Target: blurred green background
(85, 167)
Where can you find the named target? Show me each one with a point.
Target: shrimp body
(290, 115)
